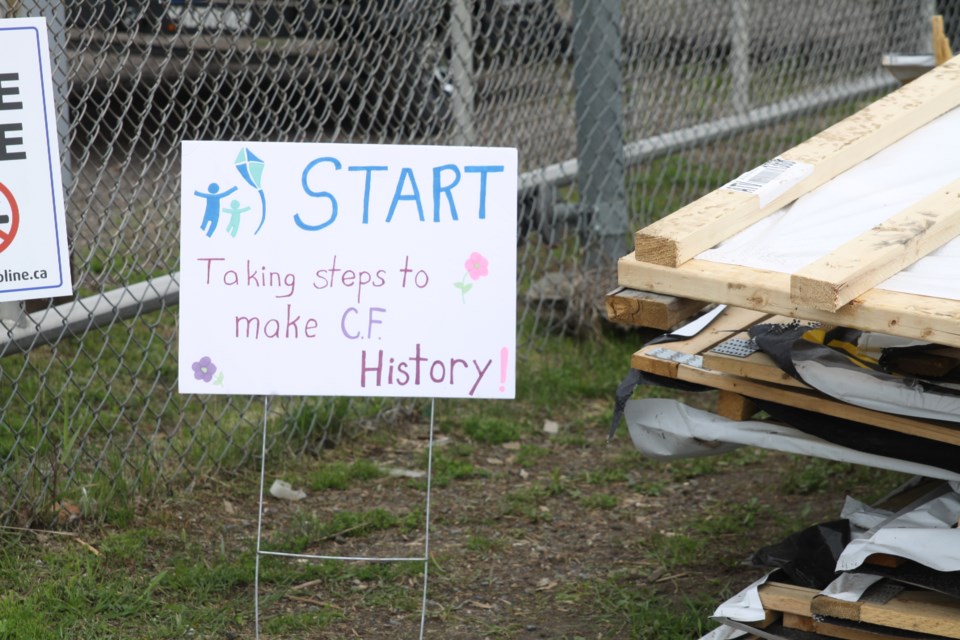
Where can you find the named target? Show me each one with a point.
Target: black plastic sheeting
(866, 438)
(808, 557)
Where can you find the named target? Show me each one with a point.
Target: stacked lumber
(665, 281)
(884, 612)
(887, 597)
(840, 287)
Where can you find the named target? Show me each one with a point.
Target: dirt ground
(581, 539)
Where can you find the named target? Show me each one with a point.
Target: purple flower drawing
(477, 267)
(203, 369)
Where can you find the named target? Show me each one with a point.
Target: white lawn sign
(348, 270)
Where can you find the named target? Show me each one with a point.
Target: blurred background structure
(621, 111)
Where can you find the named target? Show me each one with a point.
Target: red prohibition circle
(6, 237)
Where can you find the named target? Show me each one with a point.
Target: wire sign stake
(260, 552)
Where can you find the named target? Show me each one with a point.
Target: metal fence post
(600, 129)
(56, 14)
(740, 56)
(461, 72)
(926, 9)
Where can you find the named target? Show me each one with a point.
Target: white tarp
(890, 394)
(925, 534)
(853, 203)
(659, 426)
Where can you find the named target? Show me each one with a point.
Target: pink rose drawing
(477, 267)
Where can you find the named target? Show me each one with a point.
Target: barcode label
(770, 179)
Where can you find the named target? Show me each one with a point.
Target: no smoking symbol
(9, 217)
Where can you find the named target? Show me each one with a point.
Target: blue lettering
(483, 171)
(405, 174)
(366, 188)
(317, 194)
(437, 190)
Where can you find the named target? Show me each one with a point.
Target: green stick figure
(234, 210)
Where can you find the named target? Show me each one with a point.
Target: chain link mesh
(701, 91)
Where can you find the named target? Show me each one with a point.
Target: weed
(599, 501)
(730, 518)
(306, 531)
(448, 468)
(340, 475)
(673, 549)
(529, 454)
(639, 612)
(484, 544)
(528, 503)
(485, 430)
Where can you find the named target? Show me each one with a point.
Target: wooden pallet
(912, 611)
(758, 377)
(913, 316)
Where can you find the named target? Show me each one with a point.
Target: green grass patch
(341, 475)
(635, 611)
(484, 430)
(307, 530)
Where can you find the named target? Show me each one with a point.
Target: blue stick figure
(212, 213)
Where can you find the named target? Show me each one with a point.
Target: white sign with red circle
(34, 262)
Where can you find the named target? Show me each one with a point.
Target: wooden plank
(799, 398)
(833, 608)
(794, 621)
(885, 560)
(941, 43)
(920, 611)
(646, 309)
(786, 598)
(912, 316)
(801, 606)
(730, 320)
(864, 262)
(847, 630)
(734, 406)
(718, 215)
(757, 366)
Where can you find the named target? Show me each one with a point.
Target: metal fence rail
(622, 111)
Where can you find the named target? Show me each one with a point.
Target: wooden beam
(912, 316)
(734, 406)
(802, 623)
(793, 397)
(757, 366)
(869, 259)
(700, 225)
(919, 611)
(846, 630)
(728, 322)
(941, 43)
(786, 598)
(646, 309)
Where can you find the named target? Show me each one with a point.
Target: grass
(154, 578)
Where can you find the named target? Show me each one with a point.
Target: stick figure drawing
(211, 214)
(234, 210)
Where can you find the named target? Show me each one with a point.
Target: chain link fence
(621, 113)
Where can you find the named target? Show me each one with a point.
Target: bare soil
(584, 540)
